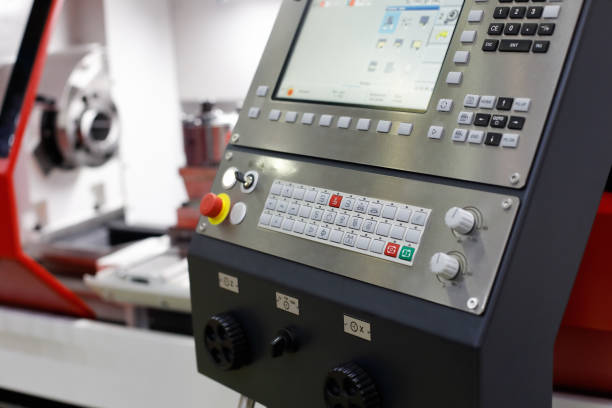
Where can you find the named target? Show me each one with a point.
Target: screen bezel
(293, 46)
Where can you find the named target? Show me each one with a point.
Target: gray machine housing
(426, 347)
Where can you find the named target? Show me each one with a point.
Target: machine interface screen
(377, 53)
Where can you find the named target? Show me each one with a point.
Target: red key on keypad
(392, 250)
(335, 201)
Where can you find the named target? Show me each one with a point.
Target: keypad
(370, 226)
(520, 22)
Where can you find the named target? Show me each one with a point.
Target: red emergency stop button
(211, 205)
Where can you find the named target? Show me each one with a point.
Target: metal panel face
(528, 75)
(480, 253)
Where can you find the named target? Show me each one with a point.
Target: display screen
(378, 53)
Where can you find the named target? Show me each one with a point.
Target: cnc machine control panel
(368, 223)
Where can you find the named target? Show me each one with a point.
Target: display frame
(294, 44)
(485, 73)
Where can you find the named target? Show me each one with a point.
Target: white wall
(218, 45)
(140, 47)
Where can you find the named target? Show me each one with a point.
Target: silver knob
(460, 220)
(444, 265)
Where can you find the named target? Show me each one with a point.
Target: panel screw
(515, 178)
(472, 303)
(507, 204)
(202, 226)
(235, 137)
(229, 155)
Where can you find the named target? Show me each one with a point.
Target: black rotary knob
(349, 386)
(226, 342)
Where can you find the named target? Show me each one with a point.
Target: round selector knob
(444, 265)
(460, 220)
(215, 207)
(350, 386)
(226, 342)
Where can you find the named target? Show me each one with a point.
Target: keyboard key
(493, 139)
(299, 226)
(499, 121)
(349, 239)
(546, 29)
(383, 229)
(342, 220)
(375, 209)
(541, 47)
(311, 230)
(512, 29)
(363, 243)
(336, 236)
(518, 12)
(355, 223)
(501, 12)
(516, 123)
(515, 45)
(496, 29)
(389, 212)
(265, 219)
(329, 217)
(490, 45)
(403, 215)
(317, 214)
(413, 236)
(419, 218)
(505, 104)
(323, 233)
(369, 226)
(482, 119)
(535, 12)
(529, 29)
(361, 206)
(397, 232)
(305, 211)
(377, 246)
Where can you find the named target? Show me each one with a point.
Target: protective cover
(24, 282)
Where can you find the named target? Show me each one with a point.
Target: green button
(406, 254)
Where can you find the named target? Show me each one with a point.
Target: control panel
(432, 241)
(485, 76)
(391, 216)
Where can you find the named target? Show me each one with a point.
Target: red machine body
(24, 282)
(583, 353)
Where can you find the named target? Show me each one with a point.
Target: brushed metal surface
(515, 75)
(482, 250)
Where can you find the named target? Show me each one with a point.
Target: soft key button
(307, 118)
(298, 227)
(363, 243)
(355, 223)
(361, 206)
(487, 102)
(471, 101)
(369, 226)
(310, 196)
(261, 91)
(344, 122)
(445, 105)
(329, 217)
(311, 230)
(274, 115)
(276, 188)
(392, 250)
(397, 232)
(403, 214)
(265, 219)
(435, 132)
(298, 193)
(375, 209)
(551, 12)
(291, 117)
(342, 220)
(271, 204)
(347, 204)
(404, 129)
(288, 225)
(282, 205)
(287, 191)
(419, 218)
(317, 214)
(389, 212)
(323, 233)
(377, 246)
(475, 16)
(465, 118)
(335, 201)
(277, 221)
(322, 198)
(363, 124)
(413, 236)
(510, 140)
(325, 120)
(521, 105)
(336, 236)
(384, 126)
(383, 229)
(305, 211)
(293, 209)
(454, 78)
